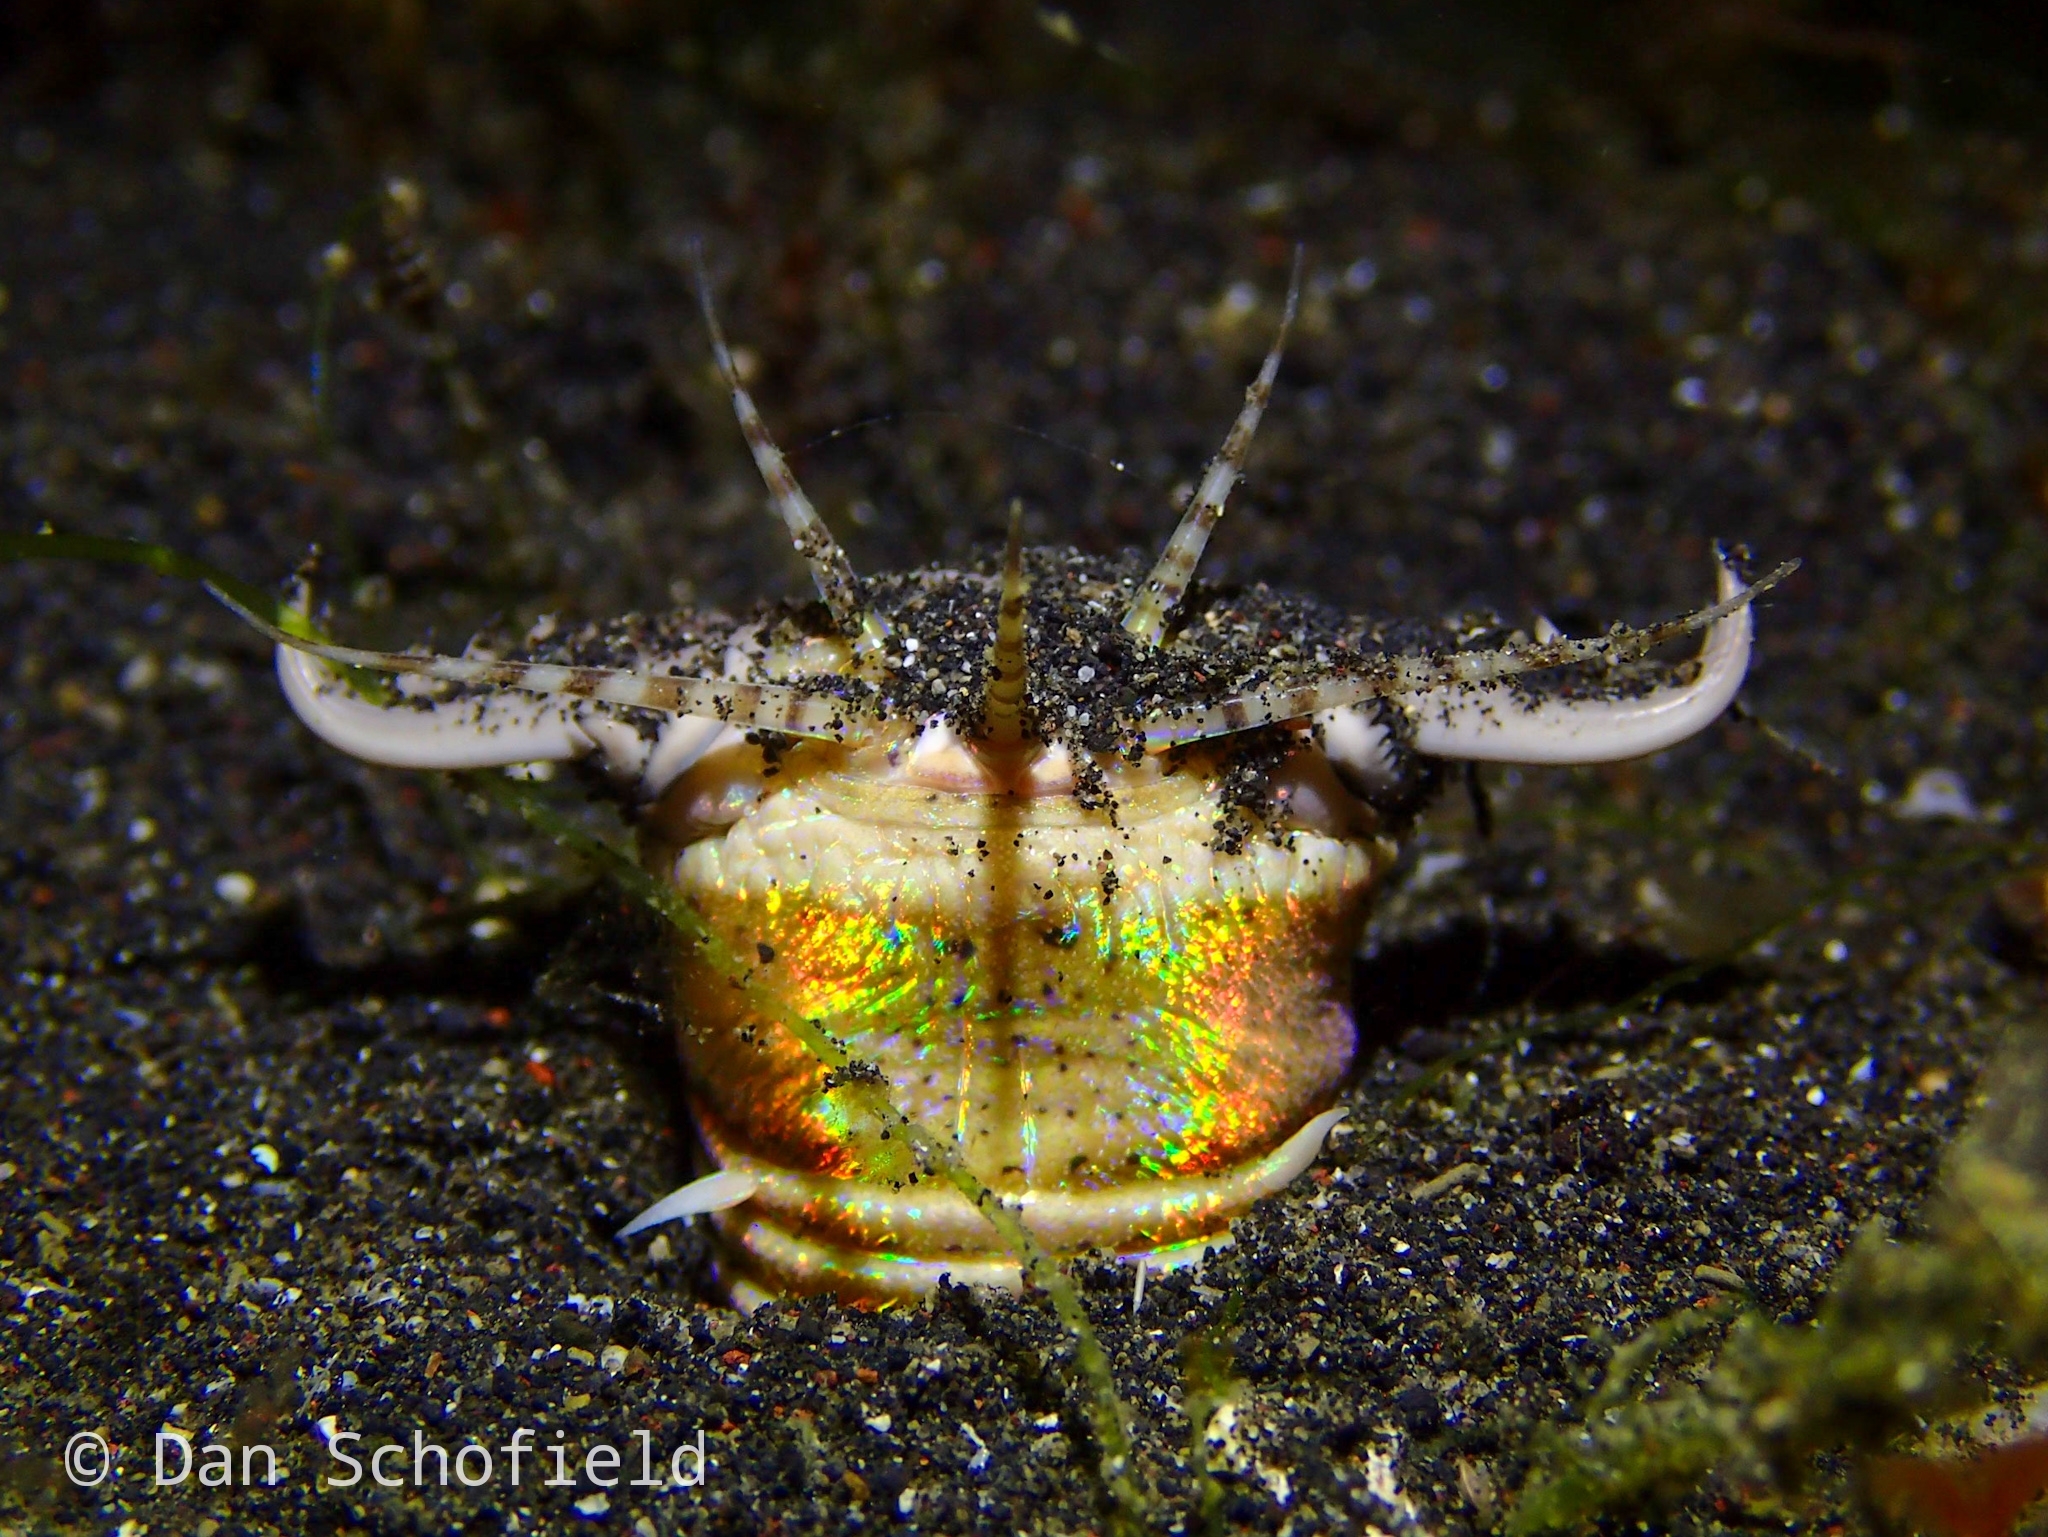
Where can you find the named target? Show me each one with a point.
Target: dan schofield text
(522, 1460)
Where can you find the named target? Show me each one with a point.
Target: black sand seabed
(324, 1090)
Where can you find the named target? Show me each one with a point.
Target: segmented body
(1122, 986)
(1069, 855)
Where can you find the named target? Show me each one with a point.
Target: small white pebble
(141, 673)
(1266, 199)
(1431, 868)
(141, 830)
(1816, 1095)
(265, 1156)
(612, 1360)
(594, 1506)
(978, 1463)
(1864, 1070)
(1937, 794)
(237, 888)
(1085, 674)
(1834, 951)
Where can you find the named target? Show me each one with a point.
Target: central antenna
(1002, 708)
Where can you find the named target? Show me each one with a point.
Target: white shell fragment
(1937, 794)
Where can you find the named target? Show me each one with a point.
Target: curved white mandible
(491, 730)
(1493, 725)
(488, 732)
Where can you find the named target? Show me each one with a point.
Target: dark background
(325, 1088)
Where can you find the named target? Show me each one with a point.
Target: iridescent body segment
(1106, 1052)
(1069, 856)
